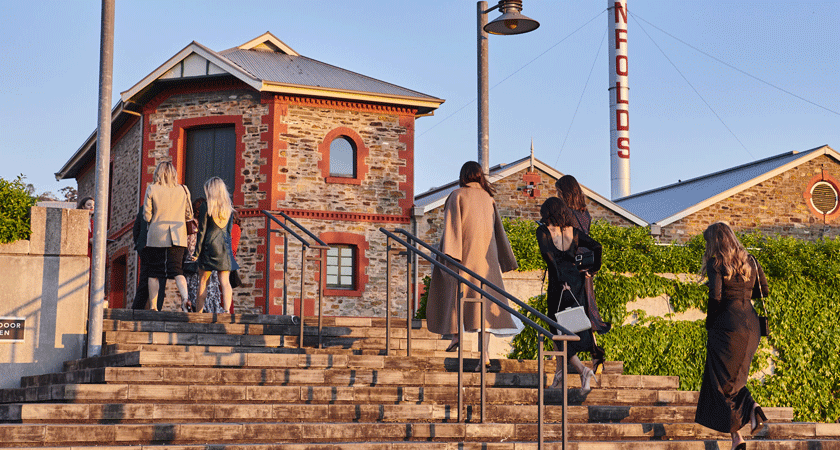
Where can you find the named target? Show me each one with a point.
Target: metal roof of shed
(668, 204)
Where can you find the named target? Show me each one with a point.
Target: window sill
(343, 180)
(342, 293)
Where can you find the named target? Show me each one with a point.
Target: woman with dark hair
(569, 190)
(559, 240)
(166, 208)
(87, 203)
(725, 404)
(474, 236)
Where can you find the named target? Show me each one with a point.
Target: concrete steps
(199, 381)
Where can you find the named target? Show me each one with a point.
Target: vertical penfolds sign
(619, 99)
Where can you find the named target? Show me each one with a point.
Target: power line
(598, 53)
(696, 92)
(514, 72)
(636, 16)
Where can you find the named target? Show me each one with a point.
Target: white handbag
(573, 319)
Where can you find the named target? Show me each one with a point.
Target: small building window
(824, 197)
(341, 263)
(342, 158)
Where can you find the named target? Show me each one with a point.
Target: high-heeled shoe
(453, 346)
(585, 379)
(558, 380)
(756, 413)
(598, 358)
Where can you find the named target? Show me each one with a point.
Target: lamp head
(511, 21)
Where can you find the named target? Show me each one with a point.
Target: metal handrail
(564, 337)
(321, 247)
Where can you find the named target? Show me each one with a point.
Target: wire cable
(695, 90)
(636, 16)
(514, 72)
(597, 54)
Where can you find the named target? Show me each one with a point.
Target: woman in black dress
(725, 403)
(213, 244)
(569, 190)
(559, 241)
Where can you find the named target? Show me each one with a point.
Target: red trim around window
(361, 156)
(823, 176)
(360, 277)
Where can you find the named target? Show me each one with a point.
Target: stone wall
(775, 206)
(45, 283)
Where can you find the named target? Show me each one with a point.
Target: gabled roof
(269, 65)
(266, 64)
(670, 203)
(436, 197)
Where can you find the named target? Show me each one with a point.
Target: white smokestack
(619, 99)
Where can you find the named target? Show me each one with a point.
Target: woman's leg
(181, 283)
(225, 289)
(203, 276)
(153, 294)
(737, 439)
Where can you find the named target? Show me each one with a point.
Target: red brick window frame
(360, 278)
(361, 156)
(823, 177)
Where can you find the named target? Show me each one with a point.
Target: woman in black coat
(559, 241)
(725, 403)
(213, 244)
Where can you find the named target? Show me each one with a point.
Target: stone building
(792, 194)
(331, 148)
(521, 188)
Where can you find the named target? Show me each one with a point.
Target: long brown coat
(472, 234)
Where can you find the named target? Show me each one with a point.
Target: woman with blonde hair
(725, 404)
(213, 248)
(166, 208)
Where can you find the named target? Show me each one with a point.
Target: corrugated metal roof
(664, 205)
(278, 67)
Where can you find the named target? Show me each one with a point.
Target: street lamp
(510, 22)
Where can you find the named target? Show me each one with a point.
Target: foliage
(15, 202)
(523, 241)
(420, 314)
(801, 352)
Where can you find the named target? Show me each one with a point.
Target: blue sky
(750, 79)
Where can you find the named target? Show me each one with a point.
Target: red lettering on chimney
(622, 120)
(623, 145)
(618, 92)
(621, 69)
(620, 9)
(619, 39)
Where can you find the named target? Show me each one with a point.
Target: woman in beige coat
(474, 236)
(166, 208)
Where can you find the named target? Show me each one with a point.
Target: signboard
(11, 329)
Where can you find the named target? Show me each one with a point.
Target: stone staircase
(197, 381)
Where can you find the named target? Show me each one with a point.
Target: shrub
(15, 203)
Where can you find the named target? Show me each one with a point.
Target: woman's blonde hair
(219, 206)
(730, 257)
(166, 174)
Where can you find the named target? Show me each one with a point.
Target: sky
(713, 84)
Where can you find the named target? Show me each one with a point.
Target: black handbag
(235, 280)
(763, 324)
(584, 258)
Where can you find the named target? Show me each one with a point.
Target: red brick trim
(360, 277)
(361, 156)
(125, 229)
(407, 154)
(273, 153)
(345, 105)
(826, 177)
(332, 215)
(178, 139)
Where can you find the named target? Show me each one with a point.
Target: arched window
(342, 158)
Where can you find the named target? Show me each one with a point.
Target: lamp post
(510, 22)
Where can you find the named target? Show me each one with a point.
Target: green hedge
(803, 347)
(15, 203)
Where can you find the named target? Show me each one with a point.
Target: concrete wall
(44, 279)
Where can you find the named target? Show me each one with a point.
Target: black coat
(213, 244)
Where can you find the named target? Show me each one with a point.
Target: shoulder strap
(760, 291)
(189, 205)
(567, 288)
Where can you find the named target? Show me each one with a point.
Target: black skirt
(164, 262)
